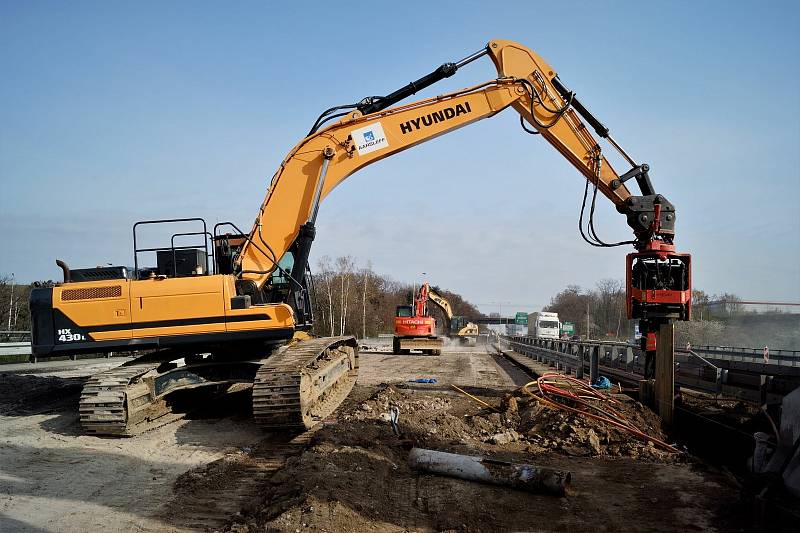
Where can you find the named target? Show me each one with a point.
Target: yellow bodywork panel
(176, 306)
(267, 316)
(160, 307)
(96, 303)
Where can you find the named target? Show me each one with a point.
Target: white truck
(544, 325)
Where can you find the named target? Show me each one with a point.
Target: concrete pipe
(475, 468)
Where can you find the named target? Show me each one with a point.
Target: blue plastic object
(423, 380)
(602, 382)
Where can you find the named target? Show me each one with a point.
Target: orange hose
(608, 415)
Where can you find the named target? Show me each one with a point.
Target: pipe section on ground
(526, 477)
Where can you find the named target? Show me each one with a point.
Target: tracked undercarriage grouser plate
(116, 402)
(301, 385)
(295, 387)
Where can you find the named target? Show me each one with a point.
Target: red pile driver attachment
(659, 285)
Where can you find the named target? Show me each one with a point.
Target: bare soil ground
(220, 472)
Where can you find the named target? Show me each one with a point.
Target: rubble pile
(519, 422)
(355, 476)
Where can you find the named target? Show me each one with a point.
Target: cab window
(286, 263)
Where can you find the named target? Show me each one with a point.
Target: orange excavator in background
(415, 328)
(238, 317)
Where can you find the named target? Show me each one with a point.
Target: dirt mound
(22, 395)
(355, 476)
(518, 423)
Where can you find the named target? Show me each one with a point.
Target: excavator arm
(442, 303)
(460, 327)
(658, 279)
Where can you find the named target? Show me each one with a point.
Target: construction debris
(475, 468)
(503, 438)
(574, 395)
(516, 421)
(353, 472)
(359, 476)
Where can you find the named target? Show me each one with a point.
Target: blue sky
(112, 113)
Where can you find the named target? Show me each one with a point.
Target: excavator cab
(404, 311)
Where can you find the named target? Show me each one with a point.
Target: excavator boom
(372, 131)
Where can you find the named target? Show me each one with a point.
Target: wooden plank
(665, 372)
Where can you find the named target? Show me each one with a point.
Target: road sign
(521, 318)
(568, 328)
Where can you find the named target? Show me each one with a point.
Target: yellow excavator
(230, 311)
(458, 327)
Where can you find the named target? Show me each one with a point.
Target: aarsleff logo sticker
(369, 138)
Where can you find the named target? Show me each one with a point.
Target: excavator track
(118, 403)
(304, 383)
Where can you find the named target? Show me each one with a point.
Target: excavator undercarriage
(293, 387)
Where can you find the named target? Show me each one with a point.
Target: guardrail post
(594, 363)
(766, 384)
(646, 392)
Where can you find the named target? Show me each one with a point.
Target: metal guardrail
(15, 336)
(753, 360)
(15, 349)
(18, 343)
(733, 372)
(15, 343)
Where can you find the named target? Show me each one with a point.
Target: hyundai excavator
(458, 327)
(241, 318)
(415, 328)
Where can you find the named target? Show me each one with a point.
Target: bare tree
(342, 284)
(344, 265)
(364, 301)
(325, 275)
(609, 305)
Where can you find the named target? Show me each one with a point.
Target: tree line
(349, 299)
(14, 312)
(596, 313)
(719, 319)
